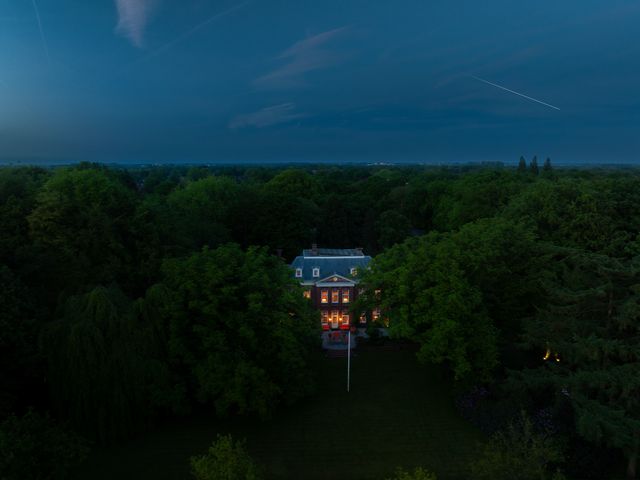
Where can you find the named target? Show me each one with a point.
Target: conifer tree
(589, 344)
(547, 165)
(522, 165)
(534, 165)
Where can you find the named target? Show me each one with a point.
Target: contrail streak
(521, 94)
(44, 40)
(193, 30)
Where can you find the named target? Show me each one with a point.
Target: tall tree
(82, 220)
(98, 373)
(589, 344)
(425, 292)
(522, 165)
(534, 165)
(242, 329)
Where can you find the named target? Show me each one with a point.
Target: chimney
(314, 249)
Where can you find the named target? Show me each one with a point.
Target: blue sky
(331, 80)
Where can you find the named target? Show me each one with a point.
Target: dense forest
(133, 295)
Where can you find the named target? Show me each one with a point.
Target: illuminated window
(375, 315)
(363, 318)
(324, 296)
(335, 315)
(307, 294)
(316, 272)
(377, 293)
(345, 319)
(298, 273)
(354, 271)
(335, 295)
(325, 317)
(345, 295)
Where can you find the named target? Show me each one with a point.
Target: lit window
(345, 319)
(335, 315)
(377, 293)
(354, 271)
(298, 273)
(324, 296)
(345, 295)
(307, 294)
(316, 272)
(363, 318)
(325, 317)
(375, 316)
(335, 295)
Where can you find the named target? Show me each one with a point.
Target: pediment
(336, 279)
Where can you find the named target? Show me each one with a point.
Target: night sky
(333, 80)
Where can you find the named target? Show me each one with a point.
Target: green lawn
(397, 414)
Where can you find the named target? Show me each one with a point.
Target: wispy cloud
(194, 29)
(45, 45)
(274, 115)
(302, 57)
(133, 17)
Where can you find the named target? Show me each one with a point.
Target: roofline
(335, 256)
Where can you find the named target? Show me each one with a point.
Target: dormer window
(298, 273)
(354, 271)
(316, 272)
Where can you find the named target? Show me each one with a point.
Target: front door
(334, 319)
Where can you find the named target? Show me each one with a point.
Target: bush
(34, 447)
(225, 460)
(519, 452)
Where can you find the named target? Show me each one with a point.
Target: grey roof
(329, 265)
(333, 252)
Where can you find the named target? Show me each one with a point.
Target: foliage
(533, 166)
(590, 329)
(106, 267)
(393, 227)
(522, 165)
(424, 290)
(198, 213)
(241, 327)
(518, 453)
(98, 372)
(81, 218)
(418, 474)
(19, 355)
(35, 447)
(226, 460)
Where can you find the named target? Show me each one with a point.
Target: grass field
(397, 414)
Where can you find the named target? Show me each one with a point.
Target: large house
(330, 278)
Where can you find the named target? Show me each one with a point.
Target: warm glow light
(335, 295)
(345, 295)
(547, 355)
(324, 296)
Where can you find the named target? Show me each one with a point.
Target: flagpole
(349, 362)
